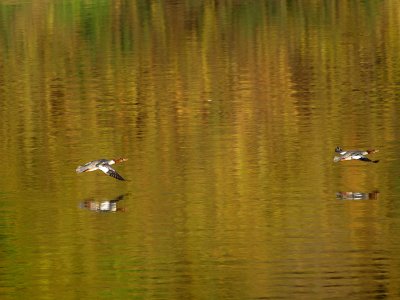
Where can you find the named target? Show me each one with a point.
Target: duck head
(119, 160)
(370, 151)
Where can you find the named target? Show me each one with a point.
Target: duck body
(354, 155)
(103, 165)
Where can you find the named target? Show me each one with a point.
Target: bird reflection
(357, 195)
(104, 205)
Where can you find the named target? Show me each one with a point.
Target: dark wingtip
(116, 176)
(376, 161)
(119, 177)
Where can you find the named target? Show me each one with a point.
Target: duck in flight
(354, 154)
(103, 165)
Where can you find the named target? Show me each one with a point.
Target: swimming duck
(103, 165)
(354, 154)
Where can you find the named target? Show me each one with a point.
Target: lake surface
(229, 113)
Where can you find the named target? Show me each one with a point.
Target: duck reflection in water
(357, 195)
(104, 205)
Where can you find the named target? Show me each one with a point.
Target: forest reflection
(229, 112)
(273, 69)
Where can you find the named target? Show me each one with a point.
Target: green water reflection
(229, 113)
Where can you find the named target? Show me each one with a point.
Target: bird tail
(337, 158)
(81, 169)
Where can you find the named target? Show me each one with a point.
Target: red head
(372, 151)
(119, 160)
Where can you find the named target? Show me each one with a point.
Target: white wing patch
(104, 168)
(110, 172)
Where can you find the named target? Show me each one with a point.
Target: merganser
(103, 165)
(354, 154)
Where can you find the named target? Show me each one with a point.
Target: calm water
(229, 113)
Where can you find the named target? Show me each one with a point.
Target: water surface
(229, 114)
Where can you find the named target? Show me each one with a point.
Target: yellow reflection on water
(229, 114)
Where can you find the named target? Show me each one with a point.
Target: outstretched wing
(363, 158)
(338, 149)
(110, 172)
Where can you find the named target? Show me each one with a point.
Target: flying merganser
(103, 165)
(354, 154)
